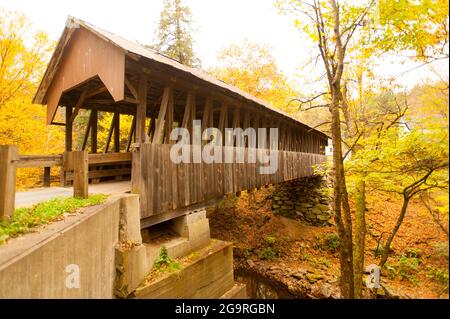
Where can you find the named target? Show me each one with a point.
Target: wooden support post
(169, 120)
(46, 176)
(110, 133)
(116, 132)
(68, 128)
(141, 110)
(86, 133)
(162, 114)
(223, 121)
(80, 174)
(68, 142)
(8, 154)
(131, 134)
(94, 129)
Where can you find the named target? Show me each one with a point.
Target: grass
(24, 219)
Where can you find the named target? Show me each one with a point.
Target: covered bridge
(96, 70)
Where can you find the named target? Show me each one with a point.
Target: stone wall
(305, 199)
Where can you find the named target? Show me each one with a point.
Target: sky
(219, 23)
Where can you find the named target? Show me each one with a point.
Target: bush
(268, 253)
(332, 241)
(271, 240)
(404, 268)
(439, 275)
(164, 261)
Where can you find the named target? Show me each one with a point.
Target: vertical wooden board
(173, 172)
(80, 174)
(8, 153)
(180, 183)
(157, 179)
(149, 167)
(139, 182)
(187, 183)
(192, 183)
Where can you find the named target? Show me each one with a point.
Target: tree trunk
(387, 245)
(346, 258)
(360, 236)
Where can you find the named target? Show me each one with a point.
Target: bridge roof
(131, 47)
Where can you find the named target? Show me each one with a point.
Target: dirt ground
(293, 250)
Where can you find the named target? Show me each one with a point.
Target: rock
(300, 214)
(316, 211)
(322, 217)
(289, 202)
(332, 280)
(325, 290)
(287, 207)
(275, 206)
(298, 275)
(251, 263)
(276, 198)
(313, 277)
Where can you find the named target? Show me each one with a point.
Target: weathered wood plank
(80, 174)
(8, 154)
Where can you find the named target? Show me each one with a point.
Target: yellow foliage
(23, 56)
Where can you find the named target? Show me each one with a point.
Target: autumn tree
(23, 56)
(174, 35)
(332, 26)
(252, 68)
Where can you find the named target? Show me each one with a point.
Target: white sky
(219, 24)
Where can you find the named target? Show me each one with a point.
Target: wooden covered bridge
(95, 70)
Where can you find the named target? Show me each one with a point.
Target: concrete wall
(35, 265)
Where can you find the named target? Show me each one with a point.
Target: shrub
(268, 253)
(439, 275)
(271, 240)
(164, 261)
(404, 268)
(332, 241)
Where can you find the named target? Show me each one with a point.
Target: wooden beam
(94, 130)
(162, 115)
(78, 105)
(116, 121)
(190, 101)
(86, 133)
(8, 154)
(96, 91)
(223, 120)
(207, 113)
(131, 87)
(169, 120)
(110, 133)
(131, 134)
(68, 136)
(141, 110)
(83, 97)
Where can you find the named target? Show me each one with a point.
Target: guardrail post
(80, 173)
(8, 154)
(46, 176)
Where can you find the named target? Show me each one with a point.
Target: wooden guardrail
(75, 167)
(101, 165)
(165, 186)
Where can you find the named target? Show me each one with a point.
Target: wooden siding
(87, 56)
(164, 186)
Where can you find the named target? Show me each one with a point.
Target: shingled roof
(131, 47)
